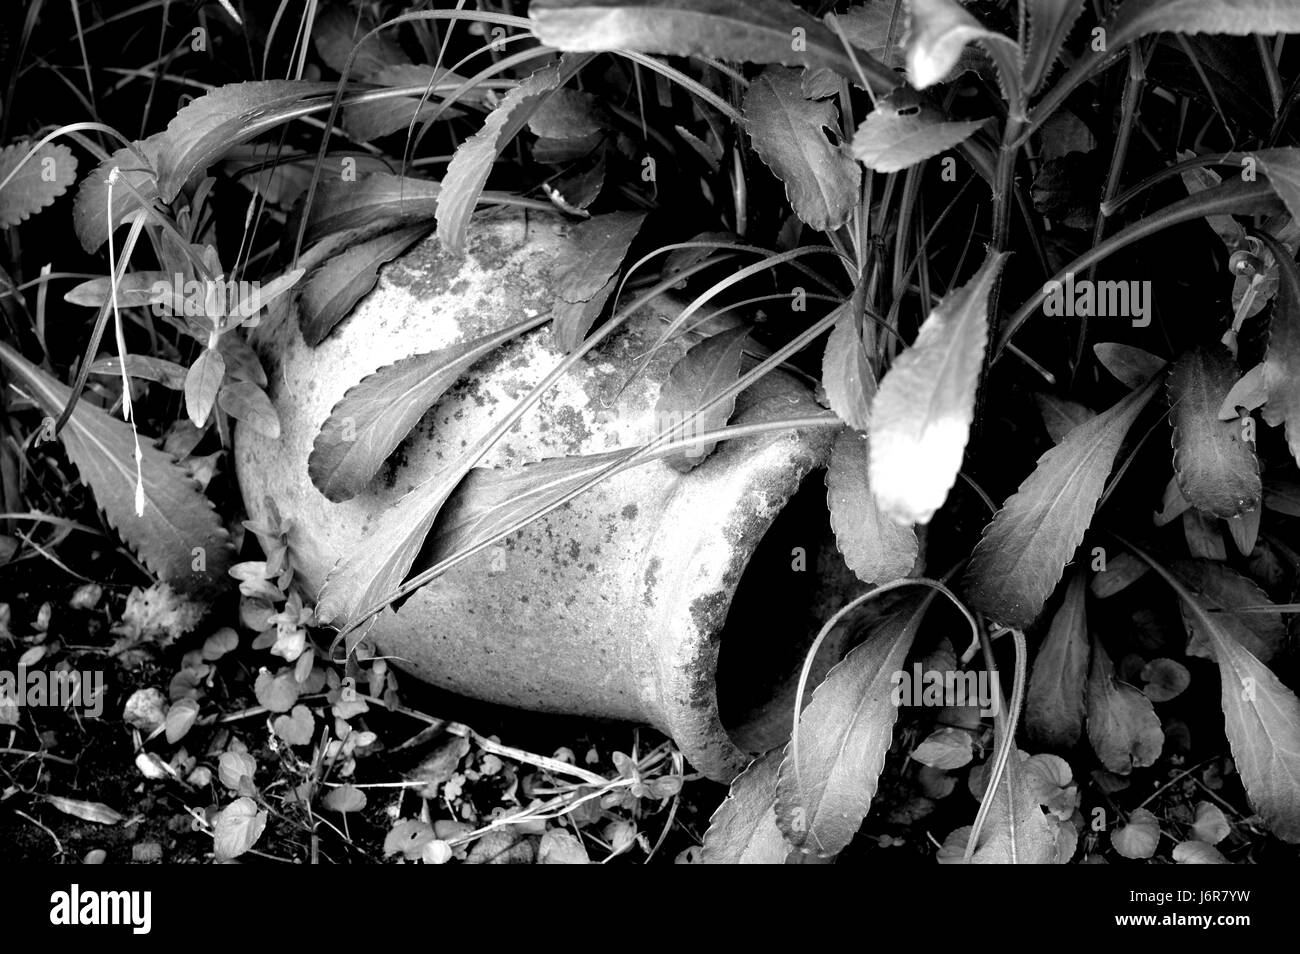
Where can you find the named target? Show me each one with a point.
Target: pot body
(616, 604)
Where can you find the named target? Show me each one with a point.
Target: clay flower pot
(680, 600)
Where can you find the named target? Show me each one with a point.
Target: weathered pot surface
(618, 605)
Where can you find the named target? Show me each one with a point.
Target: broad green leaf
(345, 798)
(1122, 724)
(236, 828)
(180, 719)
(744, 31)
(1054, 701)
(921, 415)
(378, 197)
(1049, 25)
(1211, 825)
(1021, 831)
(703, 372)
(178, 535)
(1282, 359)
(844, 734)
(42, 179)
(469, 168)
(375, 415)
(1215, 466)
(1138, 837)
(903, 130)
(1019, 559)
(1131, 366)
(331, 290)
(945, 748)
(875, 548)
(1262, 720)
(1198, 853)
(820, 179)
(743, 830)
(1221, 590)
(846, 371)
(202, 382)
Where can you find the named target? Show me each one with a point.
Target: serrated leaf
(903, 130)
(249, 404)
(874, 547)
(1221, 590)
(1215, 467)
(1282, 359)
(921, 415)
(1139, 837)
(844, 733)
(177, 522)
(202, 381)
(469, 168)
(1022, 552)
(1049, 25)
(847, 377)
(1054, 700)
(41, 180)
(374, 416)
(1138, 18)
(331, 290)
(704, 371)
(820, 180)
(236, 828)
(1131, 366)
(1262, 721)
(744, 31)
(743, 830)
(1122, 725)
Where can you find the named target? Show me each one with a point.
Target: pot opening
(795, 580)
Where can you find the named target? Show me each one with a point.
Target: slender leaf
(874, 547)
(921, 416)
(1019, 559)
(1054, 701)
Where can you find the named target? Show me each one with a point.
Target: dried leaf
(1215, 466)
(821, 181)
(921, 416)
(1019, 559)
(874, 547)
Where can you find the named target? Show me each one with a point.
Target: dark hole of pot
(795, 580)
